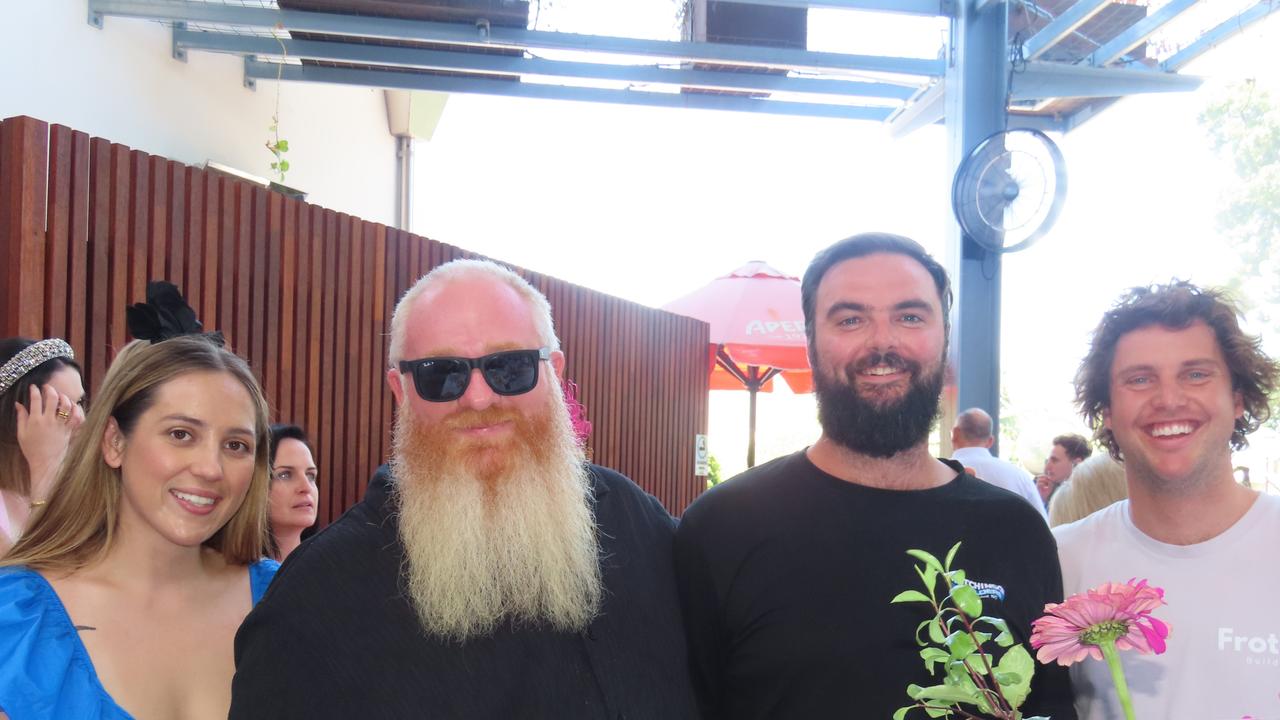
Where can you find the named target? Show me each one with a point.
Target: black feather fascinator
(165, 315)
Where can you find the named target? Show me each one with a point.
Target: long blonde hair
(78, 525)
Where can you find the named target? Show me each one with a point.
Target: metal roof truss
(907, 92)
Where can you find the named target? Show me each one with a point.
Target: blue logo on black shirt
(990, 591)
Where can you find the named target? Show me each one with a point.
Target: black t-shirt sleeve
(274, 668)
(703, 614)
(1051, 692)
(278, 652)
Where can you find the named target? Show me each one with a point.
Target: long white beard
(496, 533)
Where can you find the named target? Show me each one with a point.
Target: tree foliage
(1244, 127)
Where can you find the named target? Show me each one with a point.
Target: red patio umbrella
(757, 333)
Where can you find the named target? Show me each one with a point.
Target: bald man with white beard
(490, 571)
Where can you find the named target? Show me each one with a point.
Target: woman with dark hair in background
(41, 397)
(293, 489)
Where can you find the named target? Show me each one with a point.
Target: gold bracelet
(38, 503)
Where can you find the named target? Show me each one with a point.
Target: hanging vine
(278, 145)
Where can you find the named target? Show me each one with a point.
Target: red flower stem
(1112, 656)
(993, 697)
(956, 709)
(986, 661)
(977, 678)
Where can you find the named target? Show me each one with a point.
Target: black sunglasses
(442, 379)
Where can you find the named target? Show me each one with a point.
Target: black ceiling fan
(1008, 192)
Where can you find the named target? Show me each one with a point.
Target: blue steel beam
(908, 7)
(391, 79)
(486, 36)
(928, 108)
(1043, 123)
(1086, 113)
(1045, 80)
(1138, 32)
(1060, 27)
(1217, 35)
(1220, 34)
(521, 66)
(976, 88)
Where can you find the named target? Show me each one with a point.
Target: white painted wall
(121, 83)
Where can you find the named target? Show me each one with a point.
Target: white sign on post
(701, 467)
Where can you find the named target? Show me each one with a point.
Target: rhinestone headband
(31, 357)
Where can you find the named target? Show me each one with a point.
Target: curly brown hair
(1076, 446)
(1176, 306)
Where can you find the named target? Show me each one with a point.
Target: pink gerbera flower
(1100, 622)
(1119, 612)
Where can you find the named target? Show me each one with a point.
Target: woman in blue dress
(123, 595)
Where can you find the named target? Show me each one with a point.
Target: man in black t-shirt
(786, 572)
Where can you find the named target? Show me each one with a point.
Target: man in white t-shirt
(1171, 386)
(972, 438)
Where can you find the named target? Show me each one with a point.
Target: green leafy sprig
(953, 644)
(278, 146)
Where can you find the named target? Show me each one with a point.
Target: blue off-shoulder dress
(45, 671)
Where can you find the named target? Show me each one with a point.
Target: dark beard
(859, 424)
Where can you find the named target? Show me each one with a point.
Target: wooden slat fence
(306, 295)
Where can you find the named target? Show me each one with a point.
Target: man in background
(972, 438)
(1068, 451)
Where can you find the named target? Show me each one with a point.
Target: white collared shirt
(1001, 474)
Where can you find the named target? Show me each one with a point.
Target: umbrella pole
(753, 380)
(753, 386)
